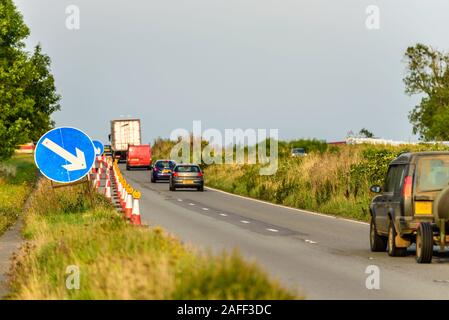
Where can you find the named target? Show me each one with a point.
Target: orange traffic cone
(119, 188)
(98, 181)
(123, 198)
(129, 204)
(107, 189)
(135, 217)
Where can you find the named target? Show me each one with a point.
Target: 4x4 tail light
(407, 188)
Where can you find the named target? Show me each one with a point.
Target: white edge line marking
(290, 208)
(272, 230)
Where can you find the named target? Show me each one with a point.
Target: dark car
(187, 176)
(162, 170)
(404, 212)
(108, 150)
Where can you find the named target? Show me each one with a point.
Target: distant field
(17, 176)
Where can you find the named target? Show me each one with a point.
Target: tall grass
(333, 180)
(17, 176)
(119, 261)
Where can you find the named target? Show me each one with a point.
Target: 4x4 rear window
(432, 173)
(395, 177)
(187, 169)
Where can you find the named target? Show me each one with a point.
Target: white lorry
(124, 132)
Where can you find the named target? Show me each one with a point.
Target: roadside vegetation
(330, 179)
(17, 176)
(119, 261)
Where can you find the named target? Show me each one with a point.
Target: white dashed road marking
(180, 200)
(244, 221)
(223, 214)
(310, 241)
(191, 204)
(272, 230)
(205, 209)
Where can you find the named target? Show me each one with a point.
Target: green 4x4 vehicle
(412, 206)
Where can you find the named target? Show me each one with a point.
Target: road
(320, 256)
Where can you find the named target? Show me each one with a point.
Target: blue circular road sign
(64, 154)
(99, 147)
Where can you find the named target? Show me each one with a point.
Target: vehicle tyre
(377, 243)
(128, 168)
(424, 243)
(152, 179)
(200, 188)
(394, 251)
(172, 188)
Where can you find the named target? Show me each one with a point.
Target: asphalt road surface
(320, 256)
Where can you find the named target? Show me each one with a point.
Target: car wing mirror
(376, 189)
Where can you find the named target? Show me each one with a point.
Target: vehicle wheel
(377, 243)
(128, 168)
(424, 243)
(152, 179)
(172, 188)
(200, 188)
(394, 251)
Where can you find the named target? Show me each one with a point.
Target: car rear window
(432, 173)
(187, 169)
(165, 164)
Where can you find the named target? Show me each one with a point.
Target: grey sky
(310, 68)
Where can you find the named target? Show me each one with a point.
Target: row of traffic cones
(127, 197)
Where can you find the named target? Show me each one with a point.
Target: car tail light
(407, 188)
(200, 174)
(175, 174)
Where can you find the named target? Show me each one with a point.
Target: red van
(139, 157)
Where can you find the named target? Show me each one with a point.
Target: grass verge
(65, 232)
(17, 176)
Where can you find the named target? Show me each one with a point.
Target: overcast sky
(309, 68)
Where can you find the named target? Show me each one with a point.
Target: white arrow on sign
(77, 162)
(97, 151)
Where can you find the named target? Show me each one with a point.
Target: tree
(365, 133)
(428, 76)
(27, 91)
